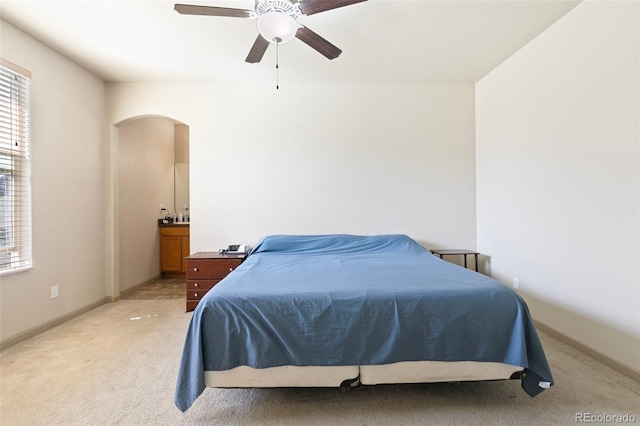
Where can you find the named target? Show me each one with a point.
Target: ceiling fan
(277, 22)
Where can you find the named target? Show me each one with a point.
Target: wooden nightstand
(462, 252)
(205, 270)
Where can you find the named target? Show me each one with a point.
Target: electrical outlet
(516, 283)
(54, 291)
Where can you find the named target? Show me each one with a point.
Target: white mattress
(401, 372)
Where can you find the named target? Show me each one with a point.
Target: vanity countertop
(171, 224)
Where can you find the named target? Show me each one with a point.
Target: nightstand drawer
(200, 285)
(199, 269)
(195, 294)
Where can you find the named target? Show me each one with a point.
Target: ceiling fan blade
(318, 43)
(309, 7)
(257, 50)
(192, 9)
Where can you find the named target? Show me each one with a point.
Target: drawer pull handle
(196, 284)
(195, 269)
(195, 294)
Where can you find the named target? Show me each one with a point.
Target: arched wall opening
(145, 150)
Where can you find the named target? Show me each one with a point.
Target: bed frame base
(353, 376)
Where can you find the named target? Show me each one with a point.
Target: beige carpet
(117, 364)
(164, 288)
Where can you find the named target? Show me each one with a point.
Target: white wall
(146, 160)
(356, 159)
(558, 176)
(68, 180)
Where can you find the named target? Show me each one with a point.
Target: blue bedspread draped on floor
(336, 300)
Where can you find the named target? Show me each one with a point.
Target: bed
(333, 309)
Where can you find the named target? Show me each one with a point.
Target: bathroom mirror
(181, 186)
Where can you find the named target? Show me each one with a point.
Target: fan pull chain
(277, 69)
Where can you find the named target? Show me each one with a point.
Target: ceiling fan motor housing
(281, 6)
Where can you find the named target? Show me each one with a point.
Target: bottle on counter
(164, 213)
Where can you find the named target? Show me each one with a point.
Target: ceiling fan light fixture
(277, 22)
(277, 27)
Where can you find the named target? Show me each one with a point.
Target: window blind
(15, 170)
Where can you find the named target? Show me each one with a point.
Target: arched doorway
(145, 150)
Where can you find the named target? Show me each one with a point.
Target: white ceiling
(383, 41)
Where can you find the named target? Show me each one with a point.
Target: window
(15, 171)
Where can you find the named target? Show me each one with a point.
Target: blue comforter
(338, 300)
